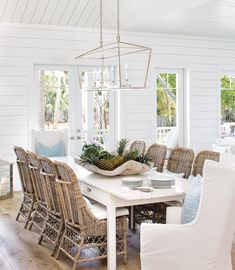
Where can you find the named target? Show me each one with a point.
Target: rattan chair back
(138, 145)
(34, 169)
(49, 174)
(74, 207)
(180, 161)
(200, 159)
(157, 155)
(23, 169)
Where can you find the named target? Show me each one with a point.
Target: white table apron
(109, 192)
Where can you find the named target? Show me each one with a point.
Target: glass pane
(55, 89)
(227, 106)
(4, 180)
(101, 117)
(166, 104)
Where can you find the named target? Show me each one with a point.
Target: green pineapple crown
(131, 155)
(144, 158)
(121, 146)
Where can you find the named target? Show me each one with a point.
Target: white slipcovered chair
(205, 243)
(221, 149)
(49, 138)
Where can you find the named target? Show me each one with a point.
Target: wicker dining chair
(157, 154)
(180, 161)
(200, 159)
(147, 212)
(138, 145)
(27, 204)
(40, 207)
(54, 223)
(85, 237)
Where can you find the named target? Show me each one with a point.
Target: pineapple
(105, 164)
(121, 146)
(117, 161)
(105, 155)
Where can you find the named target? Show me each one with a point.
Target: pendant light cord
(118, 20)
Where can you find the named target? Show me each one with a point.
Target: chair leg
(57, 254)
(40, 239)
(26, 224)
(78, 254)
(125, 249)
(29, 214)
(30, 226)
(21, 207)
(75, 265)
(57, 241)
(60, 244)
(18, 215)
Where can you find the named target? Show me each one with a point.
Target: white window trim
(182, 98)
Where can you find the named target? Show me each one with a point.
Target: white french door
(59, 102)
(99, 113)
(75, 133)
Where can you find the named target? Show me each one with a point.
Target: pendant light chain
(118, 20)
(101, 23)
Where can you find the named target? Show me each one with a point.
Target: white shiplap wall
(22, 46)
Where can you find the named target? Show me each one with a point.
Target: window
(54, 95)
(170, 106)
(227, 85)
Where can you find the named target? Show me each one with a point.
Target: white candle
(3, 186)
(126, 72)
(112, 74)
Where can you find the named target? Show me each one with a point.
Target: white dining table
(109, 192)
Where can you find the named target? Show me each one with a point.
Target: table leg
(111, 233)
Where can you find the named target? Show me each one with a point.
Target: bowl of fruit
(96, 159)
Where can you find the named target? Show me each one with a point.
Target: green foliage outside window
(227, 98)
(55, 90)
(166, 106)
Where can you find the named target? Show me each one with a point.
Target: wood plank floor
(19, 249)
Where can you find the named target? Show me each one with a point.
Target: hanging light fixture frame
(103, 57)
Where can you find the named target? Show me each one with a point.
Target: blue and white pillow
(56, 150)
(192, 199)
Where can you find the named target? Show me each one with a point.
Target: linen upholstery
(206, 242)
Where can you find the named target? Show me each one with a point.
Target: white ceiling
(193, 17)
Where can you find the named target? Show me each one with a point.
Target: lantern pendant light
(115, 66)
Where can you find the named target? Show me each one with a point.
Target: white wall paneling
(21, 47)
